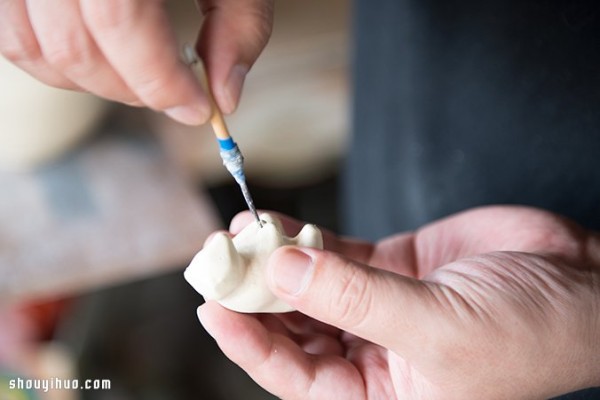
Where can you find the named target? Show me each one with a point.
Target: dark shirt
(461, 103)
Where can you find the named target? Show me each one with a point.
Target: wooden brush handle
(216, 120)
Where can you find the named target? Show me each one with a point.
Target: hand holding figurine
(231, 271)
(125, 50)
(493, 303)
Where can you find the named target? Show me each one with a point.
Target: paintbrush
(228, 148)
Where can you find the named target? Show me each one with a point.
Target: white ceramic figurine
(232, 271)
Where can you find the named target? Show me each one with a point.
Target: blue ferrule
(226, 144)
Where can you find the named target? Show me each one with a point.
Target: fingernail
(233, 87)
(206, 326)
(293, 272)
(189, 115)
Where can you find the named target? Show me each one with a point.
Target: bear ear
(216, 270)
(309, 236)
(220, 246)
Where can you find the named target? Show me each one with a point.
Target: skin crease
(492, 303)
(125, 50)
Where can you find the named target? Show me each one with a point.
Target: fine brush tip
(257, 218)
(249, 202)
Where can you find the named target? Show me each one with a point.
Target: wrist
(578, 361)
(593, 255)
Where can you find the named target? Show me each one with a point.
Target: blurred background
(102, 206)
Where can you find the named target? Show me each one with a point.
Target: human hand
(493, 303)
(125, 50)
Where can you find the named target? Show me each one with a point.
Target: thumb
(392, 310)
(234, 33)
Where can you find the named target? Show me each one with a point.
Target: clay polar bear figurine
(232, 271)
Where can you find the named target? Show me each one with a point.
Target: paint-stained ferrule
(233, 160)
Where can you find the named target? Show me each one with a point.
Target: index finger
(276, 362)
(136, 38)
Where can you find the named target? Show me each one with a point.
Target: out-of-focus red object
(25, 324)
(44, 316)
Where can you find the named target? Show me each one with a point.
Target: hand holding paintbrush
(229, 150)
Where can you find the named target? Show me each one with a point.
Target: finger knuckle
(257, 25)
(151, 90)
(110, 14)
(263, 15)
(12, 54)
(351, 304)
(20, 52)
(68, 54)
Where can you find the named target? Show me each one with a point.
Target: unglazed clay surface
(232, 271)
